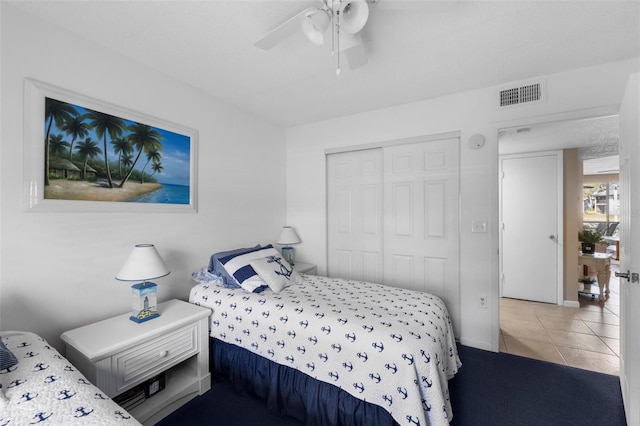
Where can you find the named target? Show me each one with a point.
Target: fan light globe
(314, 25)
(354, 15)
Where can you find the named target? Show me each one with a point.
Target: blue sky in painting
(175, 152)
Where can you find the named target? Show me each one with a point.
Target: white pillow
(275, 271)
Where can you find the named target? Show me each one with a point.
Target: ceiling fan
(345, 19)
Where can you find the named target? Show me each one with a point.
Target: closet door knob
(163, 354)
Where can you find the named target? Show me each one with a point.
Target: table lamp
(287, 237)
(143, 264)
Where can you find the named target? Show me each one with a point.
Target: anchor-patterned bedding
(388, 346)
(44, 388)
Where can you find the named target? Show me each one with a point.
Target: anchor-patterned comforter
(46, 389)
(389, 346)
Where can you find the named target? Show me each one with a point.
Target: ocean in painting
(168, 194)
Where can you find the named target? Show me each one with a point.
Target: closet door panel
(435, 275)
(393, 216)
(421, 213)
(354, 206)
(401, 272)
(402, 195)
(435, 209)
(342, 265)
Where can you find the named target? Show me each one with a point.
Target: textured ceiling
(416, 49)
(590, 135)
(597, 140)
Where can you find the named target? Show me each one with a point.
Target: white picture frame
(35, 198)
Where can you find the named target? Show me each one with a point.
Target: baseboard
(571, 304)
(476, 344)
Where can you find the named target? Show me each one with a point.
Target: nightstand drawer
(147, 359)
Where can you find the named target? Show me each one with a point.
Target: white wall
(469, 113)
(57, 269)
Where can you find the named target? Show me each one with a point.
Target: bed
(39, 386)
(306, 345)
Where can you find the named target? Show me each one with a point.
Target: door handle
(623, 275)
(634, 277)
(553, 238)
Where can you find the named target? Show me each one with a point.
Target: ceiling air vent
(523, 94)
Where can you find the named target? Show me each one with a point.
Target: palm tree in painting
(57, 145)
(54, 112)
(144, 138)
(127, 159)
(157, 167)
(121, 146)
(76, 128)
(152, 155)
(104, 124)
(87, 149)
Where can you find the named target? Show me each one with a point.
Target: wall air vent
(522, 94)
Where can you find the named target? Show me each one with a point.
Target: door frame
(497, 127)
(629, 291)
(558, 154)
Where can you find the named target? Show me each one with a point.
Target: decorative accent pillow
(216, 266)
(238, 266)
(7, 358)
(275, 271)
(203, 276)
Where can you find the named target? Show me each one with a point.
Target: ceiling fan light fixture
(314, 25)
(354, 15)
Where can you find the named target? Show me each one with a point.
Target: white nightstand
(305, 268)
(117, 354)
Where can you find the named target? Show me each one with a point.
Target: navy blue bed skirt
(291, 392)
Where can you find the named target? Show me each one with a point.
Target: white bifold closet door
(394, 216)
(355, 215)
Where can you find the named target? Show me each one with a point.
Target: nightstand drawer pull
(164, 354)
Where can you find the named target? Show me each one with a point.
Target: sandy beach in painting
(61, 189)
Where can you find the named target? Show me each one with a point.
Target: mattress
(388, 346)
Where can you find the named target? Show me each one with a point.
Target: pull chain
(338, 37)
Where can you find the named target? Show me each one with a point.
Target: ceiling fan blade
(356, 56)
(283, 31)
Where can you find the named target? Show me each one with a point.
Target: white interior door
(354, 190)
(630, 250)
(530, 195)
(421, 211)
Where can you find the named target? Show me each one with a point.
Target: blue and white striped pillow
(7, 358)
(216, 266)
(238, 267)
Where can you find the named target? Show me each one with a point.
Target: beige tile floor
(584, 337)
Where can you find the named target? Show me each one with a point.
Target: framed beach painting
(84, 155)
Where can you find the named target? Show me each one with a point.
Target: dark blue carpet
(491, 389)
(502, 389)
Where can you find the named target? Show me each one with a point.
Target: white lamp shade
(315, 24)
(288, 236)
(144, 263)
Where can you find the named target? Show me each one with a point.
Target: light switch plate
(478, 225)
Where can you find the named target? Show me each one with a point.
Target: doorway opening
(579, 330)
